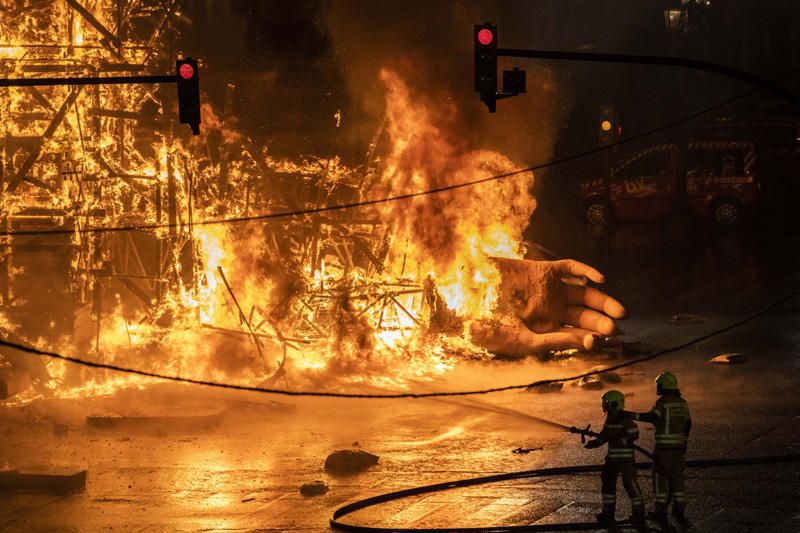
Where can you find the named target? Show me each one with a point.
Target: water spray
(472, 403)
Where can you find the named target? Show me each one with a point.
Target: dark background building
(295, 65)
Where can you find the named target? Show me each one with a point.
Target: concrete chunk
(315, 488)
(16, 480)
(344, 462)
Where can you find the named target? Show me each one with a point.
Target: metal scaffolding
(72, 158)
(77, 158)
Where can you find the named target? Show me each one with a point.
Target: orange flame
(334, 315)
(450, 235)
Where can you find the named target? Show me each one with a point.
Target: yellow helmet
(613, 401)
(666, 381)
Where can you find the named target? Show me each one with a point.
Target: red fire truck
(723, 181)
(731, 167)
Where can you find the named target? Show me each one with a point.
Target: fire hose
(337, 524)
(541, 472)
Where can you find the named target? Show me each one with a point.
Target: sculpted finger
(588, 340)
(590, 319)
(576, 268)
(594, 299)
(519, 341)
(516, 340)
(508, 339)
(558, 340)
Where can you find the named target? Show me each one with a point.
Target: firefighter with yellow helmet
(620, 433)
(672, 422)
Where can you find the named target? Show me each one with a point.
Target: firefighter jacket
(672, 421)
(620, 433)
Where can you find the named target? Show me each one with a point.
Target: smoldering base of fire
(115, 368)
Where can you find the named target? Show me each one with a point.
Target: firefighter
(620, 433)
(672, 422)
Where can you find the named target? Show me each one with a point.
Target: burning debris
(729, 359)
(334, 294)
(148, 247)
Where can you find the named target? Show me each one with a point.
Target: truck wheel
(596, 213)
(595, 216)
(726, 212)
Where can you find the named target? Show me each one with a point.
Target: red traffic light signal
(188, 78)
(186, 71)
(485, 36)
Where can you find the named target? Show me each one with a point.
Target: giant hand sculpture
(542, 306)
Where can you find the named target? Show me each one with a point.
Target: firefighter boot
(606, 515)
(638, 515)
(659, 515)
(678, 512)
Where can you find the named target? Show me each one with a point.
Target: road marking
(497, 510)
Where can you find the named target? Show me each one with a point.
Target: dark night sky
(296, 63)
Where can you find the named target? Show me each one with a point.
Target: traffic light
(486, 64)
(608, 127)
(514, 81)
(188, 93)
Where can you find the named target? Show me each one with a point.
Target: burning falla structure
(128, 241)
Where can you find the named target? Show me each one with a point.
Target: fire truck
(729, 169)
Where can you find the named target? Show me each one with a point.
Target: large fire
(449, 236)
(374, 295)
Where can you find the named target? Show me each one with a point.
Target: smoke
(429, 46)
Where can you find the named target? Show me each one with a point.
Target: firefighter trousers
(669, 480)
(613, 469)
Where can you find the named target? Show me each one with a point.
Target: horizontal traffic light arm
(746, 77)
(73, 81)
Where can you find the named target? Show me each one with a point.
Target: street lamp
(675, 19)
(691, 16)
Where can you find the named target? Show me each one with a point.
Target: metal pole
(606, 208)
(746, 77)
(95, 80)
(172, 201)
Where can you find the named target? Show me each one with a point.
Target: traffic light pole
(186, 78)
(607, 210)
(73, 81)
(746, 77)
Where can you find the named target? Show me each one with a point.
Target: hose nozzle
(582, 432)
